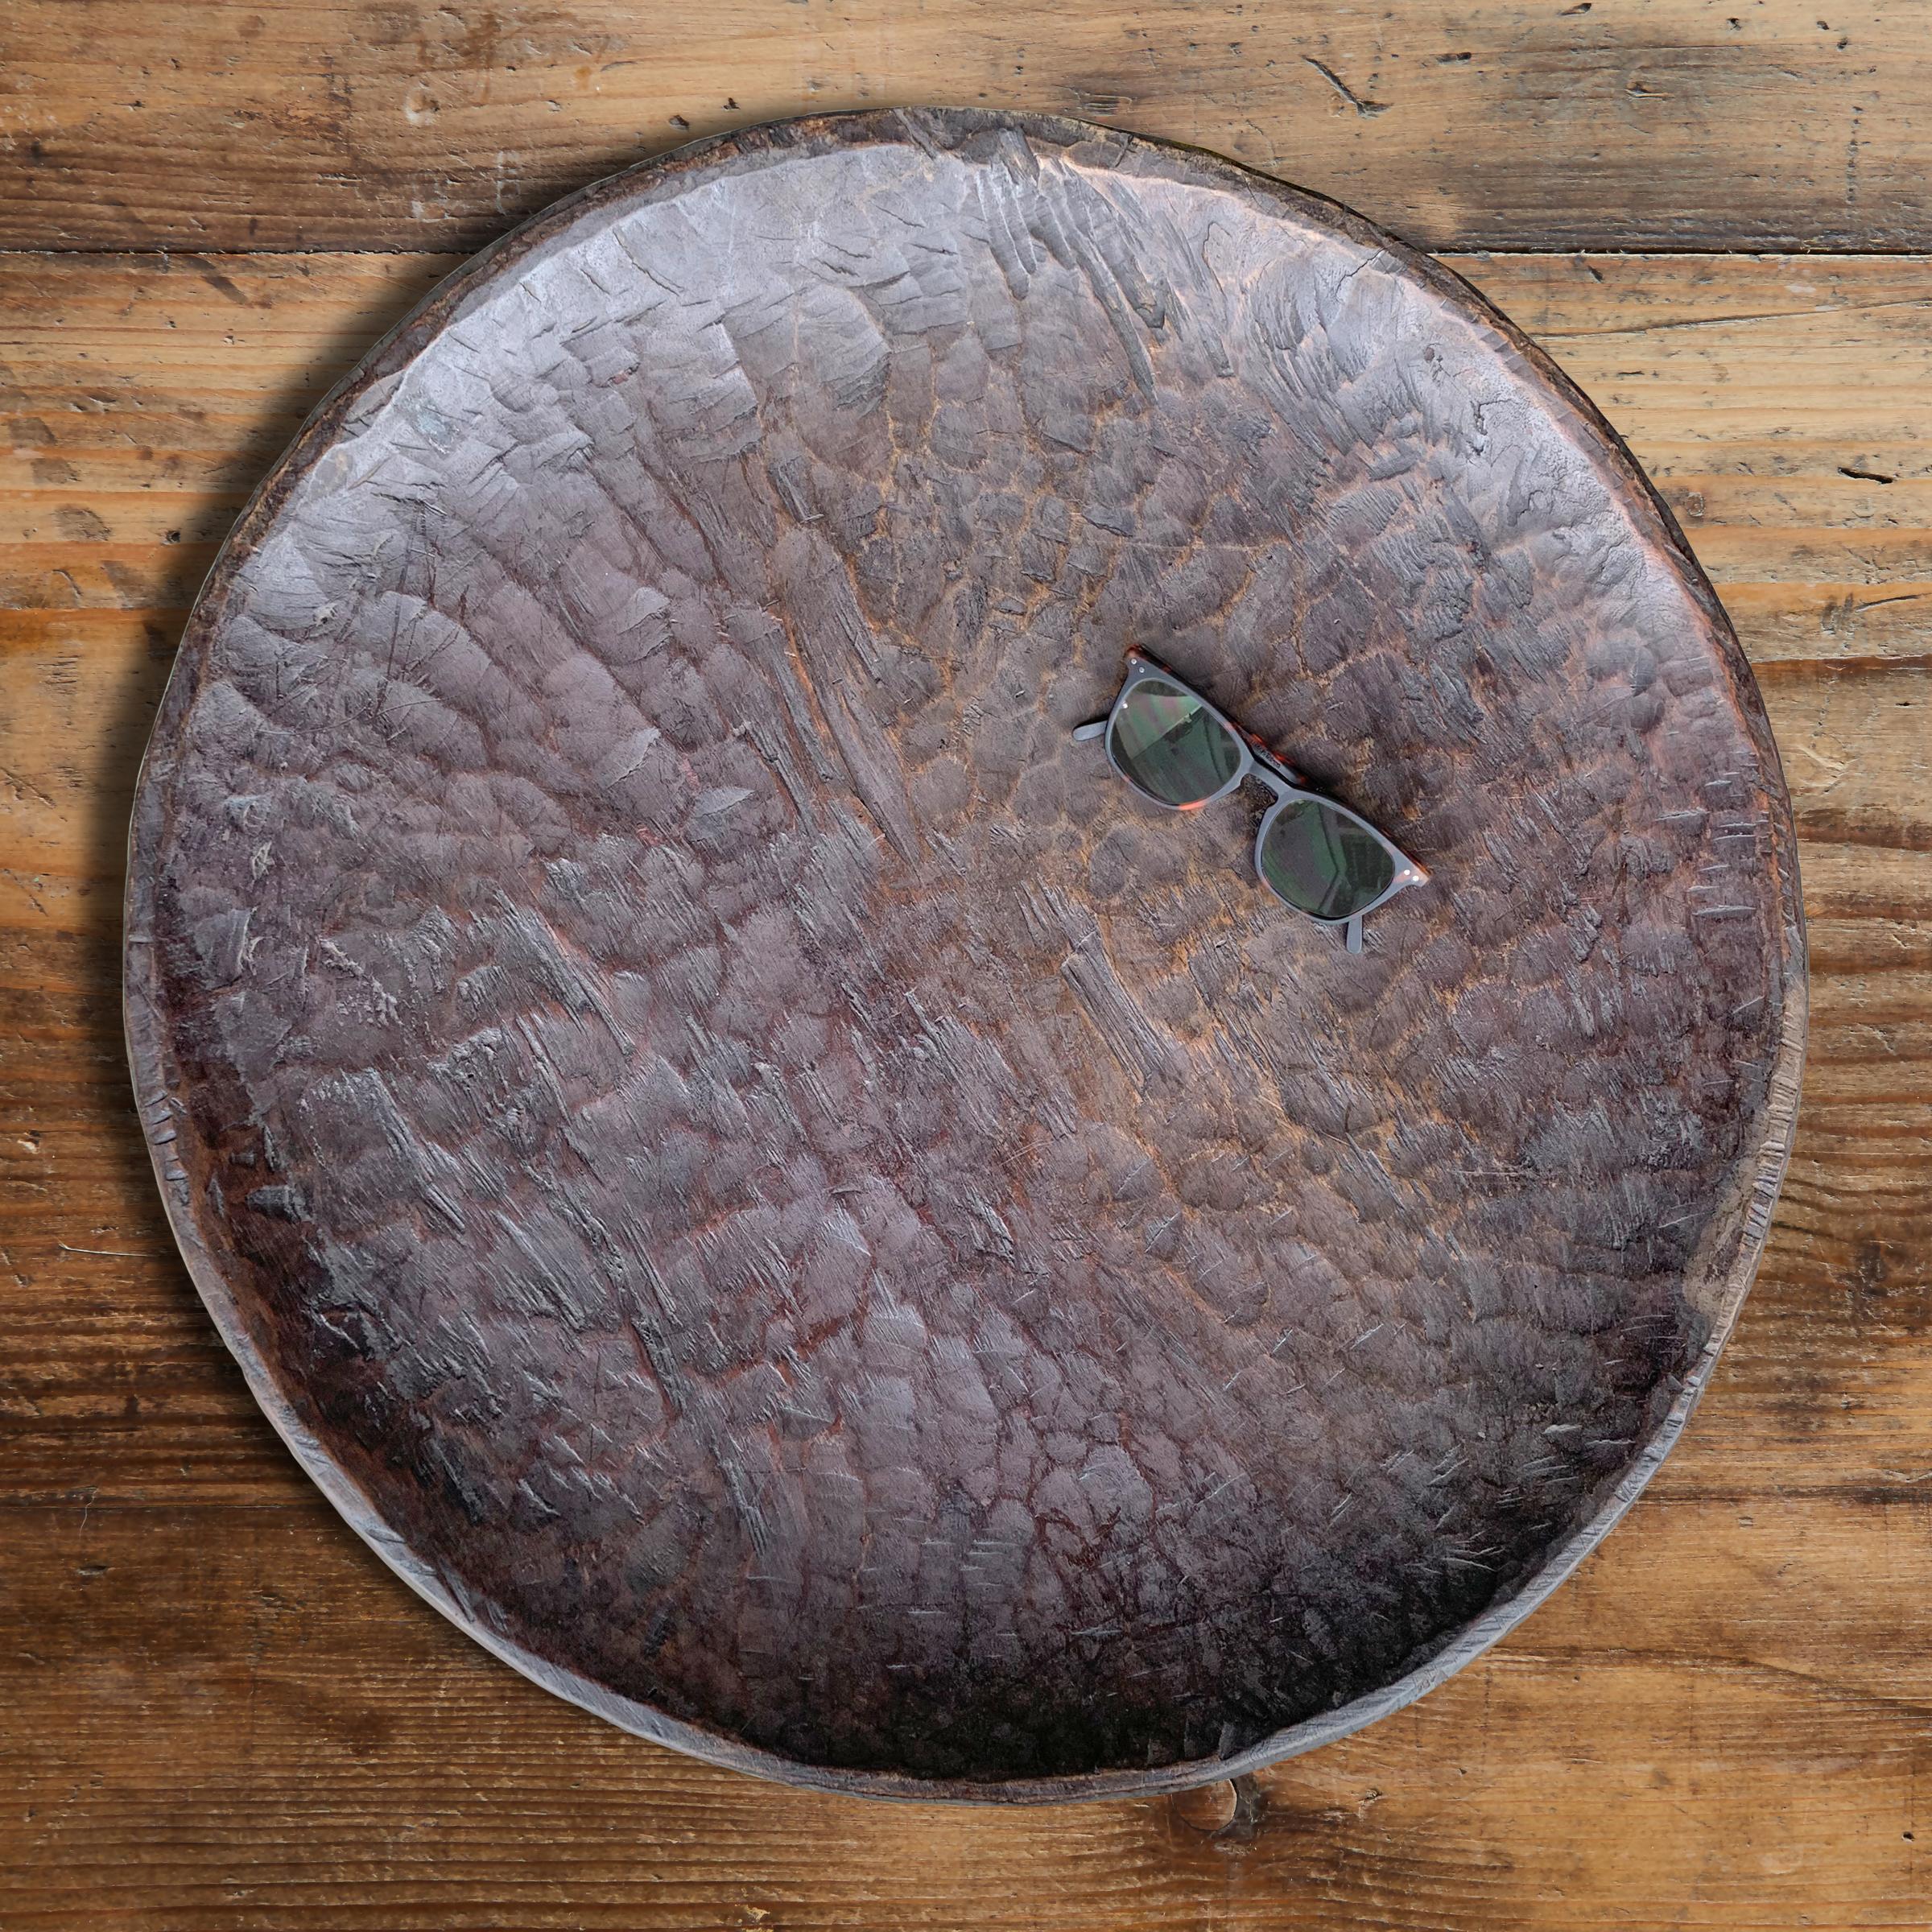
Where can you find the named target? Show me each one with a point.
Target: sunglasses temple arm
(1352, 938)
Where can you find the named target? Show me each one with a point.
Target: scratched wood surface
(1499, 123)
(217, 1710)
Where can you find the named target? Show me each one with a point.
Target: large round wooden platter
(754, 1171)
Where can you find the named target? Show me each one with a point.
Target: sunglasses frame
(1256, 761)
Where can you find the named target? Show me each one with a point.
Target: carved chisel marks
(1142, 1048)
(829, 638)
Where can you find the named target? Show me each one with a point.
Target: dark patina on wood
(753, 1170)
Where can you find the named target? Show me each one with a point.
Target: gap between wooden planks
(218, 1711)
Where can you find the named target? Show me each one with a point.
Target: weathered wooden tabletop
(217, 1710)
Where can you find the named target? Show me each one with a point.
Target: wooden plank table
(217, 1710)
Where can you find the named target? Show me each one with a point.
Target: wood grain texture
(767, 1186)
(1504, 123)
(296, 1767)
(216, 1711)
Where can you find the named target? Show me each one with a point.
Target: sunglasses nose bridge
(1264, 760)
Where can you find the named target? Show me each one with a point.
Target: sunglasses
(1172, 746)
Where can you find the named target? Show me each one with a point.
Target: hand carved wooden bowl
(754, 1171)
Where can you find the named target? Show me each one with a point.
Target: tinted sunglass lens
(1170, 745)
(1322, 862)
